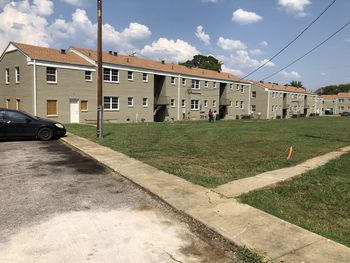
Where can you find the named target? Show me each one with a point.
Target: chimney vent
(110, 52)
(63, 51)
(163, 61)
(115, 53)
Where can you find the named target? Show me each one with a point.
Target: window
(341, 107)
(172, 103)
(145, 102)
(130, 75)
(195, 84)
(111, 103)
(88, 76)
(242, 104)
(231, 103)
(214, 85)
(51, 75)
(144, 77)
(273, 94)
(273, 108)
(194, 104)
(7, 77)
(237, 103)
(18, 104)
(214, 103)
(183, 103)
(110, 75)
(7, 103)
(253, 108)
(130, 102)
(253, 94)
(84, 105)
(172, 80)
(183, 82)
(17, 75)
(206, 84)
(205, 104)
(238, 87)
(341, 100)
(242, 88)
(231, 86)
(52, 108)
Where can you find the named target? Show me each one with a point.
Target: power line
(307, 53)
(290, 43)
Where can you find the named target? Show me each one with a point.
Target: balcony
(162, 100)
(225, 102)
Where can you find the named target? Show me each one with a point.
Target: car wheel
(45, 134)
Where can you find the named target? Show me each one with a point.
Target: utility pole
(99, 72)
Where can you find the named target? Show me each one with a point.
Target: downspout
(268, 105)
(249, 99)
(178, 97)
(34, 89)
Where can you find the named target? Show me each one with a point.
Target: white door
(74, 110)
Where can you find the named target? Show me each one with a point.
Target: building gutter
(249, 99)
(34, 89)
(268, 105)
(178, 97)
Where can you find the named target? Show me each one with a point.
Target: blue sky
(241, 33)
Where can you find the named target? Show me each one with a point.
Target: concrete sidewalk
(245, 185)
(239, 223)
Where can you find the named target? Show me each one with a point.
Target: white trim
(7, 76)
(56, 76)
(34, 89)
(132, 102)
(145, 105)
(83, 56)
(249, 100)
(88, 80)
(17, 75)
(64, 66)
(199, 103)
(178, 97)
(132, 75)
(145, 80)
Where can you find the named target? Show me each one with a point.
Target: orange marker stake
(290, 153)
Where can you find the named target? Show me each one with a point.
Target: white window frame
(242, 104)
(214, 103)
(7, 76)
(183, 81)
(214, 85)
(253, 108)
(341, 100)
(55, 81)
(110, 75)
(172, 103)
(205, 103)
(253, 94)
(17, 73)
(88, 79)
(110, 108)
(237, 103)
(231, 103)
(143, 77)
(206, 84)
(341, 108)
(242, 89)
(172, 80)
(130, 75)
(183, 103)
(131, 99)
(196, 84)
(231, 86)
(238, 87)
(195, 105)
(145, 102)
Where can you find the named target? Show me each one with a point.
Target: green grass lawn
(318, 201)
(211, 154)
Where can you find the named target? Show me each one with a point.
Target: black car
(345, 114)
(18, 124)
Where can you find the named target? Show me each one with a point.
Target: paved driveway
(59, 206)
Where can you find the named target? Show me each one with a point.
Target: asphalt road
(57, 205)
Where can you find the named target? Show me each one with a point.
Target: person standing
(214, 116)
(210, 116)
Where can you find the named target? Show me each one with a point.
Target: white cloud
(81, 29)
(295, 6)
(202, 36)
(244, 17)
(256, 52)
(242, 60)
(264, 44)
(290, 75)
(235, 72)
(169, 50)
(74, 2)
(210, 1)
(229, 44)
(24, 22)
(323, 74)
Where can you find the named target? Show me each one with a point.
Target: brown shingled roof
(157, 65)
(344, 95)
(278, 87)
(328, 97)
(52, 55)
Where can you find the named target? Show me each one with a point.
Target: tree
(296, 84)
(205, 62)
(334, 89)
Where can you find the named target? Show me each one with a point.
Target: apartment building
(336, 104)
(61, 84)
(274, 101)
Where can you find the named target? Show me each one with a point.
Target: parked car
(345, 114)
(18, 124)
